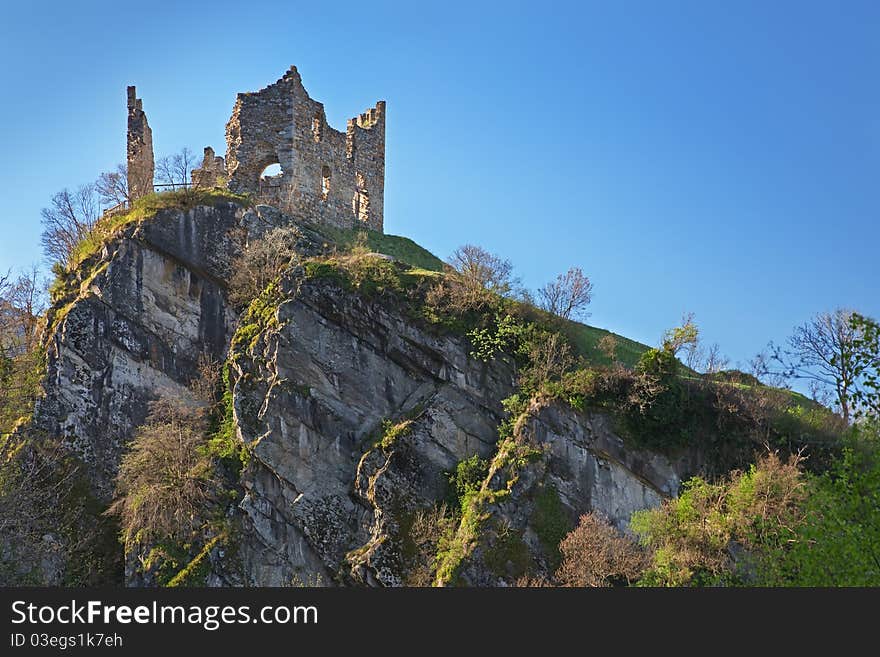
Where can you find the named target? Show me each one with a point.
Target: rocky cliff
(132, 326)
(330, 494)
(352, 410)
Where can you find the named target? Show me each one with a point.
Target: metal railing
(172, 186)
(161, 187)
(116, 209)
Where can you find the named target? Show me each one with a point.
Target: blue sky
(714, 157)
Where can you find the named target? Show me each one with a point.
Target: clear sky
(705, 156)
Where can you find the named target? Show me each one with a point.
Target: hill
(349, 404)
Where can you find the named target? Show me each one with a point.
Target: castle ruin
(326, 176)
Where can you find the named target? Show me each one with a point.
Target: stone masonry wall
(327, 176)
(140, 148)
(212, 173)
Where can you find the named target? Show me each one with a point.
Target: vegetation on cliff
(772, 458)
(659, 403)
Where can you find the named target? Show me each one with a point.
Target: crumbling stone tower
(140, 149)
(326, 176)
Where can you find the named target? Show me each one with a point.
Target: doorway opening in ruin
(270, 180)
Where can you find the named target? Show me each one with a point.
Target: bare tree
(715, 361)
(166, 482)
(708, 360)
(70, 217)
(427, 530)
(261, 263)
(607, 345)
(21, 305)
(568, 296)
(475, 279)
(42, 518)
(760, 367)
(596, 554)
(549, 355)
(176, 170)
(205, 385)
(823, 350)
(480, 269)
(112, 187)
(694, 356)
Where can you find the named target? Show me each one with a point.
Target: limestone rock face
(325, 500)
(149, 305)
(310, 407)
(584, 466)
(326, 504)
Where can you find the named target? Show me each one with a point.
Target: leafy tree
(676, 339)
(866, 348)
(568, 296)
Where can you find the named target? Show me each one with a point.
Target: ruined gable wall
(327, 175)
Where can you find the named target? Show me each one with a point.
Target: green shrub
(503, 335)
(392, 432)
(840, 543)
(658, 362)
(692, 536)
(223, 443)
(261, 315)
(467, 478)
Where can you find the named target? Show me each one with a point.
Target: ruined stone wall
(212, 173)
(140, 161)
(327, 176)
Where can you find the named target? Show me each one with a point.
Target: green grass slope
(585, 339)
(400, 248)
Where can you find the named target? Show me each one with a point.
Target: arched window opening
(271, 171)
(325, 182)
